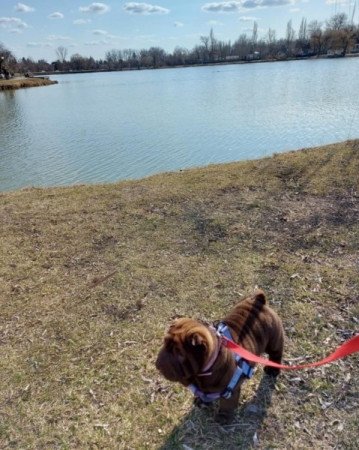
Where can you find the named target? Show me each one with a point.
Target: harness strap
(242, 369)
(207, 398)
(246, 369)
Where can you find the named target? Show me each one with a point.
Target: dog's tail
(259, 297)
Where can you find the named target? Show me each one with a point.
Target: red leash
(349, 347)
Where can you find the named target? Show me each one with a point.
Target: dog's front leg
(227, 407)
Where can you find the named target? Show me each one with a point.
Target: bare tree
(271, 40)
(61, 53)
(114, 59)
(158, 56)
(145, 58)
(212, 45)
(199, 54)
(340, 34)
(316, 37)
(289, 38)
(224, 49)
(303, 35)
(205, 53)
(242, 46)
(302, 43)
(337, 22)
(78, 62)
(8, 61)
(254, 35)
(179, 56)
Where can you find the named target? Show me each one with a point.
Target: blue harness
(242, 369)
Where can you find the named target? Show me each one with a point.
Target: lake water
(102, 127)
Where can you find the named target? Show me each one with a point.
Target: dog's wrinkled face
(187, 345)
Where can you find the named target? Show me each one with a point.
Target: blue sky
(35, 28)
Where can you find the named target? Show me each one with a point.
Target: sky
(36, 28)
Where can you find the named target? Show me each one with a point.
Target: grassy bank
(18, 83)
(91, 275)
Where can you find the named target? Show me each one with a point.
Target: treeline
(335, 37)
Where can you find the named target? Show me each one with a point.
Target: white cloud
(144, 8)
(56, 15)
(97, 43)
(13, 23)
(222, 7)
(100, 32)
(39, 44)
(259, 3)
(96, 8)
(248, 18)
(55, 37)
(294, 10)
(235, 6)
(214, 22)
(106, 37)
(81, 21)
(146, 36)
(341, 2)
(20, 7)
(178, 24)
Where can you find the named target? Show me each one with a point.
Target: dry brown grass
(77, 348)
(18, 83)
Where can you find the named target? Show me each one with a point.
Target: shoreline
(41, 78)
(184, 66)
(178, 172)
(19, 83)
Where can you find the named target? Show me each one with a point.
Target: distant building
(335, 53)
(232, 58)
(253, 56)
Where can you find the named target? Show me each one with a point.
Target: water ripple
(106, 127)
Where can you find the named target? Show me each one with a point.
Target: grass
(18, 83)
(91, 276)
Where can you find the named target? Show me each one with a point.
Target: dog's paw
(224, 418)
(200, 403)
(271, 371)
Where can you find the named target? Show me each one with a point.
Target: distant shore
(18, 83)
(41, 78)
(209, 63)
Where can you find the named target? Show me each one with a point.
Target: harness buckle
(227, 393)
(242, 369)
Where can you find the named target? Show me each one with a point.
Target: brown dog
(192, 353)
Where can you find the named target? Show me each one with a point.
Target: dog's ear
(171, 326)
(196, 340)
(196, 344)
(260, 297)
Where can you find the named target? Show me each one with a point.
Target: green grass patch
(91, 276)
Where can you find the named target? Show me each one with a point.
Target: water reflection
(15, 140)
(110, 126)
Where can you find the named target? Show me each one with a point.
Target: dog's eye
(168, 343)
(171, 347)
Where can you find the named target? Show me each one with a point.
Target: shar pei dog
(193, 353)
